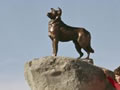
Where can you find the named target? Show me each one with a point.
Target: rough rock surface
(63, 73)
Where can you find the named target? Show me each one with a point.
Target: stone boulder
(63, 73)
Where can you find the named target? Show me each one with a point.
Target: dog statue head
(54, 14)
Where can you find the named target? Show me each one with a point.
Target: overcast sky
(24, 34)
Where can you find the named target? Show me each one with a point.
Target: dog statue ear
(52, 9)
(59, 11)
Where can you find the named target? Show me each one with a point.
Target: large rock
(61, 73)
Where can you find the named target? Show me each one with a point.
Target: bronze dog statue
(59, 31)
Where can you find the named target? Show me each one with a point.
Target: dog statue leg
(55, 47)
(78, 48)
(88, 55)
(88, 52)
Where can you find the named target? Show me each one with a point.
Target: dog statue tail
(91, 50)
